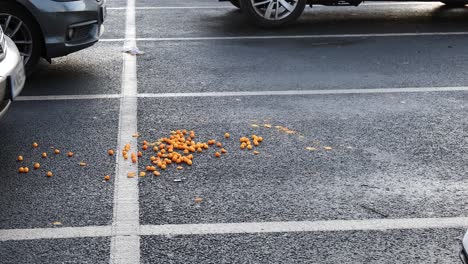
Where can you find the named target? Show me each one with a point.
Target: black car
(51, 28)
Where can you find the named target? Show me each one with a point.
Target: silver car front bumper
(12, 76)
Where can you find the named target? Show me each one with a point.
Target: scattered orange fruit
(131, 174)
(156, 173)
(256, 152)
(107, 177)
(56, 151)
(49, 174)
(20, 158)
(227, 135)
(26, 169)
(198, 199)
(145, 147)
(249, 147)
(110, 152)
(44, 155)
(139, 154)
(142, 174)
(219, 144)
(217, 154)
(37, 166)
(35, 145)
(21, 170)
(223, 150)
(70, 154)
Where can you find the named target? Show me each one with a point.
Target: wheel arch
(25, 6)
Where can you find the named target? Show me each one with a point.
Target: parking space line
(307, 92)
(67, 97)
(54, 233)
(232, 228)
(232, 7)
(125, 242)
(314, 36)
(250, 93)
(304, 226)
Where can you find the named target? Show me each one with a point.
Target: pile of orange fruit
(178, 149)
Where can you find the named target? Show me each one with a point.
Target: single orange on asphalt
(110, 152)
(227, 135)
(21, 170)
(26, 169)
(49, 174)
(37, 166)
(217, 154)
(223, 150)
(70, 154)
(107, 177)
(44, 155)
(35, 145)
(145, 147)
(156, 173)
(56, 151)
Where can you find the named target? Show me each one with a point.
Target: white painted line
(248, 93)
(54, 233)
(307, 92)
(259, 37)
(173, 7)
(125, 244)
(304, 226)
(235, 8)
(67, 97)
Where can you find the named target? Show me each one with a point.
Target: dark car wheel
(235, 3)
(455, 3)
(23, 30)
(272, 13)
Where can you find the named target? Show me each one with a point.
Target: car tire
(28, 37)
(263, 16)
(455, 3)
(235, 3)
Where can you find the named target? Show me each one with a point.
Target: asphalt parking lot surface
(362, 111)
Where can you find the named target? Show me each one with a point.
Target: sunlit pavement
(363, 111)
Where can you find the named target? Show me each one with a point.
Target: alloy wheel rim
(18, 31)
(274, 9)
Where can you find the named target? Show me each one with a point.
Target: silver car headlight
(2, 45)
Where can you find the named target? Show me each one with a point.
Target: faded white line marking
(367, 35)
(307, 92)
(232, 7)
(304, 226)
(125, 244)
(249, 93)
(54, 233)
(125, 241)
(67, 97)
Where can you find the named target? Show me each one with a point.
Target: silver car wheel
(274, 9)
(19, 32)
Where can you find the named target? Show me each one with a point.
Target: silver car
(12, 75)
(51, 28)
